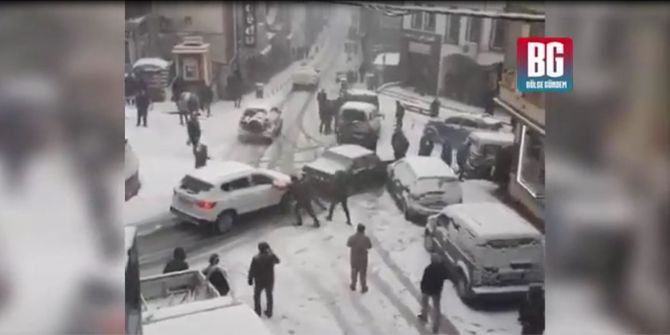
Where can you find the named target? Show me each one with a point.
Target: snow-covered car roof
(492, 220)
(493, 137)
(259, 105)
(350, 151)
(429, 167)
(477, 118)
(357, 105)
(215, 171)
(153, 62)
(358, 91)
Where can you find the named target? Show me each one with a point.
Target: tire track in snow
(329, 301)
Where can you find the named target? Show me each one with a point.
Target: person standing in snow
(216, 275)
(321, 98)
(399, 143)
(446, 152)
(399, 113)
(177, 90)
(178, 261)
(531, 312)
(359, 244)
(431, 289)
(302, 193)
(461, 158)
(193, 129)
(329, 115)
(142, 102)
(435, 108)
(426, 144)
(262, 276)
(340, 194)
(206, 98)
(201, 155)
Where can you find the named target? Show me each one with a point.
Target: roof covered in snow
(493, 137)
(357, 105)
(259, 105)
(492, 220)
(429, 167)
(350, 150)
(215, 171)
(389, 58)
(154, 62)
(358, 91)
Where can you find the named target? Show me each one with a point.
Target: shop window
(453, 29)
(474, 29)
(417, 20)
(190, 69)
(530, 173)
(429, 22)
(498, 35)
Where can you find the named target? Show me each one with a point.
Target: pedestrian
(461, 160)
(359, 244)
(216, 275)
(321, 99)
(446, 152)
(206, 97)
(340, 194)
(177, 89)
(178, 261)
(531, 311)
(399, 113)
(187, 104)
(262, 276)
(426, 144)
(435, 108)
(431, 289)
(201, 155)
(399, 143)
(142, 103)
(303, 200)
(193, 129)
(361, 71)
(329, 116)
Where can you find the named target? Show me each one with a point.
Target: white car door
(242, 196)
(266, 193)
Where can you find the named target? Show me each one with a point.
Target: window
(239, 184)
(453, 29)
(195, 185)
(259, 179)
(498, 35)
(530, 173)
(474, 29)
(417, 20)
(190, 69)
(429, 22)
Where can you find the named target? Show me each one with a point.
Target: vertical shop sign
(249, 24)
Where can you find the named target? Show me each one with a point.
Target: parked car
(217, 194)
(363, 166)
(456, 129)
(260, 121)
(132, 172)
(482, 148)
(358, 123)
(306, 76)
(488, 247)
(423, 186)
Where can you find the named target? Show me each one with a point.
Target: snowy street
(312, 293)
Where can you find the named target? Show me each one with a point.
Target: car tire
(428, 242)
(463, 288)
(224, 222)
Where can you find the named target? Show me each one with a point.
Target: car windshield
(510, 243)
(353, 115)
(339, 159)
(433, 185)
(253, 111)
(195, 185)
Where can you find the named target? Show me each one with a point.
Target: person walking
(262, 277)
(531, 312)
(206, 98)
(142, 102)
(399, 143)
(431, 289)
(321, 99)
(201, 155)
(177, 90)
(426, 144)
(399, 113)
(216, 275)
(303, 200)
(193, 129)
(178, 261)
(340, 194)
(461, 159)
(435, 108)
(359, 244)
(361, 70)
(446, 152)
(329, 107)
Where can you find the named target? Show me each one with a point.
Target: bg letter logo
(544, 64)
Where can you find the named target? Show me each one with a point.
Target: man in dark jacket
(339, 194)
(359, 244)
(531, 312)
(399, 113)
(201, 155)
(446, 152)
(302, 193)
(426, 144)
(142, 103)
(206, 98)
(435, 108)
(321, 98)
(399, 143)
(194, 132)
(329, 115)
(431, 289)
(177, 88)
(217, 275)
(262, 274)
(178, 261)
(461, 158)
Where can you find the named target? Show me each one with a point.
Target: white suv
(221, 191)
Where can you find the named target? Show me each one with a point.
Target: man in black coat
(426, 144)
(302, 193)
(321, 99)
(399, 143)
(262, 276)
(435, 108)
(178, 261)
(531, 312)
(431, 289)
(399, 113)
(217, 275)
(206, 98)
(446, 152)
(142, 103)
(177, 88)
(194, 132)
(461, 158)
(340, 194)
(201, 155)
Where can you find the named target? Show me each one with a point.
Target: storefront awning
(266, 50)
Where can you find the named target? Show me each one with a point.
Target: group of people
(189, 106)
(303, 192)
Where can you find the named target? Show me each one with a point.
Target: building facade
(527, 110)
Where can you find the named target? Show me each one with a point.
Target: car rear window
(511, 243)
(353, 115)
(195, 185)
(253, 111)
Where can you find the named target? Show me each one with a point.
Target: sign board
(249, 16)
